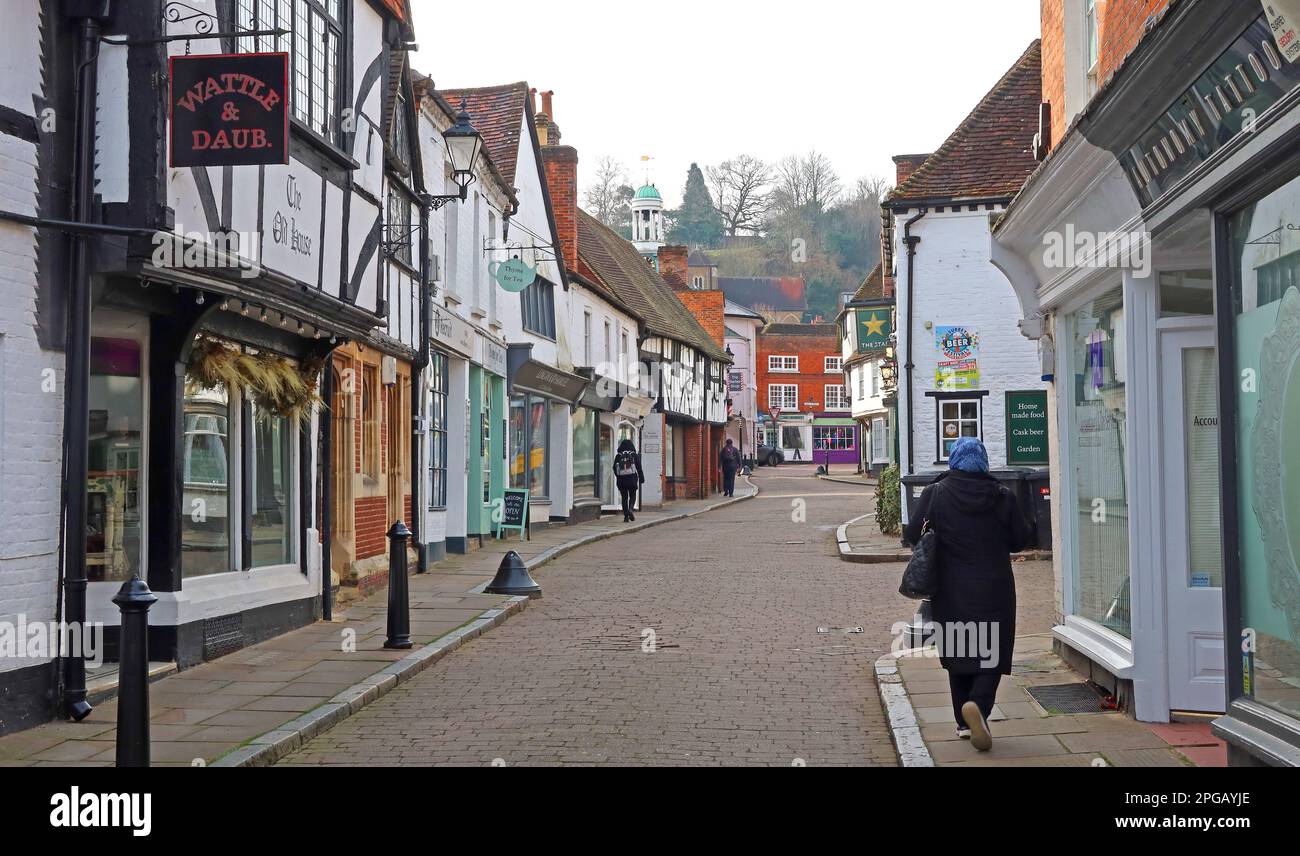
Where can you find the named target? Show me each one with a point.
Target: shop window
(538, 307)
(529, 444)
(1187, 293)
(679, 450)
(585, 464)
(314, 44)
(958, 417)
(836, 438)
(485, 438)
(1098, 437)
(437, 431)
(370, 406)
(207, 454)
(1265, 315)
(271, 488)
(114, 524)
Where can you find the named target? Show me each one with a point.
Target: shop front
(596, 436)
(453, 342)
(835, 440)
(485, 418)
(542, 403)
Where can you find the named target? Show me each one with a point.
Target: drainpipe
(76, 406)
(417, 394)
(911, 241)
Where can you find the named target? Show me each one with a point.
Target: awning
(528, 375)
(836, 422)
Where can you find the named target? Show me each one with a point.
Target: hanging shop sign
(1253, 74)
(873, 329)
(958, 364)
(1026, 413)
(514, 275)
(229, 109)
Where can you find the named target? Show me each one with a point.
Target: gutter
(911, 241)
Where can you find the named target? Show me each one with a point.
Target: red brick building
(800, 371)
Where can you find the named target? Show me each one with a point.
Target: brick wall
(1052, 23)
(709, 308)
(812, 376)
(561, 166)
(371, 515)
(905, 165)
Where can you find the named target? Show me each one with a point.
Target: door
(1194, 554)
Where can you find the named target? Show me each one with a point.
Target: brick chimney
(548, 133)
(905, 165)
(561, 165)
(673, 264)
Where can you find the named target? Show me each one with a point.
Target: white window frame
(978, 419)
(834, 365)
(841, 396)
(783, 363)
(879, 441)
(1091, 46)
(787, 399)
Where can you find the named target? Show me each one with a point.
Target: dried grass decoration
(277, 385)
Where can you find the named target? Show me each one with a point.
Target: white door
(1194, 556)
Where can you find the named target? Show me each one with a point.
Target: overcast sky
(859, 80)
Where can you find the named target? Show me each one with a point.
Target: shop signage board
(1026, 414)
(229, 109)
(491, 355)
(291, 209)
(1254, 73)
(514, 513)
(450, 330)
(958, 364)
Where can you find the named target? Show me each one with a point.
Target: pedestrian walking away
(978, 524)
(729, 463)
(630, 477)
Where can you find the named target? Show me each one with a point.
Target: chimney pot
(547, 103)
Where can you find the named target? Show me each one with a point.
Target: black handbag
(921, 576)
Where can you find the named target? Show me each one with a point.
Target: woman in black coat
(978, 524)
(628, 473)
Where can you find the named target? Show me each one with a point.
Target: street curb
(846, 549)
(847, 481)
(903, 725)
(265, 749)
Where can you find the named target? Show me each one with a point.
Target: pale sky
(705, 80)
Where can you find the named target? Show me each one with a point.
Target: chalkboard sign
(513, 513)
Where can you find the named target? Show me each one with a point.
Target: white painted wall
(956, 285)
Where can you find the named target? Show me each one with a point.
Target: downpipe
(418, 396)
(911, 241)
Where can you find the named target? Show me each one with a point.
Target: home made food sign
(229, 109)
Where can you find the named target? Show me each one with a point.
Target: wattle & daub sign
(229, 109)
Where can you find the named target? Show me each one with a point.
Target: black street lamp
(464, 143)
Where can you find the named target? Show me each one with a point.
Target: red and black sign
(229, 109)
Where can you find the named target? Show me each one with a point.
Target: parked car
(769, 455)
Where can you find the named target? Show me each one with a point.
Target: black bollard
(134, 600)
(399, 606)
(513, 578)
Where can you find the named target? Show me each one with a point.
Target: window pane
(584, 452)
(271, 489)
(113, 522)
(537, 446)
(205, 514)
(969, 410)
(518, 442)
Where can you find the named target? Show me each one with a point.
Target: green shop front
(485, 436)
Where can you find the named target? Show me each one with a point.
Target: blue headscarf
(969, 456)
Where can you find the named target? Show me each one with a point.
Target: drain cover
(1067, 698)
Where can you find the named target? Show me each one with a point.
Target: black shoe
(633, 517)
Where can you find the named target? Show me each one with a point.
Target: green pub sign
(874, 327)
(1027, 428)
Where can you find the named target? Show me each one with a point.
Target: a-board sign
(1027, 428)
(514, 513)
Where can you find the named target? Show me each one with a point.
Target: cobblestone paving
(739, 674)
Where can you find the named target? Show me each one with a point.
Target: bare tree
(605, 197)
(808, 184)
(740, 187)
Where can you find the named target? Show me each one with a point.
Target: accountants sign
(229, 109)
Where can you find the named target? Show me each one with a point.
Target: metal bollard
(399, 606)
(134, 600)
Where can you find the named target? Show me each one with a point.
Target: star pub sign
(229, 109)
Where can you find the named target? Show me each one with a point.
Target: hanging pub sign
(229, 109)
(514, 275)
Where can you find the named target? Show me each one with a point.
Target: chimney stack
(561, 165)
(547, 104)
(905, 165)
(673, 265)
(532, 100)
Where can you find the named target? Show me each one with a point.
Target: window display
(113, 502)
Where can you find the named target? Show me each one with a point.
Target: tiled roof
(498, 114)
(779, 293)
(873, 287)
(989, 155)
(615, 263)
(398, 8)
(697, 258)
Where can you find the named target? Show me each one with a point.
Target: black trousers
(629, 498)
(729, 482)
(979, 687)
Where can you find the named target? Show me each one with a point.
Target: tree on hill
(609, 196)
(696, 223)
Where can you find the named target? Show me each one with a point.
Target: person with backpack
(628, 473)
(729, 463)
(978, 524)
